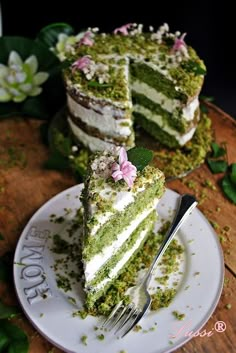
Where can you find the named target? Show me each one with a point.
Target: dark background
(210, 27)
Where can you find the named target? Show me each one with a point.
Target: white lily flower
(20, 79)
(65, 45)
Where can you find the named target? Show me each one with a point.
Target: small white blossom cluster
(93, 30)
(102, 166)
(162, 32)
(97, 71)
(20, 79)
(74, 149)
(136, 29)
(179, 51)
(179, 55)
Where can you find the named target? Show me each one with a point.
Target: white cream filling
(157, 97)
(104, 122)
(181, 138)
(93, 143)
(93, 265)
(121, 263)
(121, 200)
(166, 103)
(189, 110)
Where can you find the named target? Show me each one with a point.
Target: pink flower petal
(86, 40)
(125, 169)
(129, 180)
(122, 155)
(179, 43)
(123, 29)
(81, 63)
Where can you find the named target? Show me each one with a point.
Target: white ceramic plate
(50, 311)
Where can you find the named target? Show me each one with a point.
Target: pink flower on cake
(180, 45)
(87, 39)
(125, 169)
(123, 29)
(81, 63)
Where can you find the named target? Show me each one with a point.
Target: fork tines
(122, 318)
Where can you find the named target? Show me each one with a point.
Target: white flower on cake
(179, 49)
(66, 45)
(125, 169)
(91, 69)
(20, 79)
(102, 166)
(163, 31)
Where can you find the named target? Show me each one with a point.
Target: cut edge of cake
(117, 220)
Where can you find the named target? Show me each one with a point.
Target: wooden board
(25, 185)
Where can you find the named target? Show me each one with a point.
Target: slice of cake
(153, 77)
(119, 203)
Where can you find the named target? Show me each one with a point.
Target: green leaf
(217, 150)
(4, 340)
(99, 85)
(194, 67)
(1, 236)
(229, 188)
(63, 144)
(232, 175)
(207, 98)
(58, 123)
(140, 157)
(218, 166)
(19, 346)
(53, 95)
(17, 339)
(203, 108)
(57, 161)
(13, 331)
(7, 312)
(49, 35)
(35, 107)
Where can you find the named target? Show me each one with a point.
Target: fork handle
(186, 204)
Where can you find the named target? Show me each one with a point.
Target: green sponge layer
(154, 130)
(105, 272)
(119, 221)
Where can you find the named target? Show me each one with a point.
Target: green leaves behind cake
(219, 165)
(38, 97)
(12, 338)
(140, 157)
(215, 164)
(217, 151)
(48, 35)
(229, 183)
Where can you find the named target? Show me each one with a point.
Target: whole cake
(152, 78)
(119, 203)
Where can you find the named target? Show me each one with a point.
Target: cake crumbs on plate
(101, 337)
(179, 316)
(84, 340)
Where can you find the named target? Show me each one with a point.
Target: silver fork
(125, 317)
